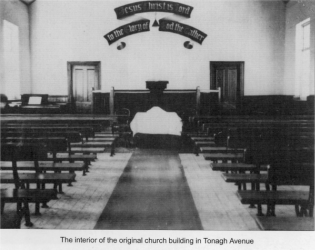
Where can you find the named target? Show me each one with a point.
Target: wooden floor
(82, 204)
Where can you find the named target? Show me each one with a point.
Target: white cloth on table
(156, 121)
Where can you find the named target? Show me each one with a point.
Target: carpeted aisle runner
(152, 193)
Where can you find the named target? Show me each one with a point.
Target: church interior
(157, 115)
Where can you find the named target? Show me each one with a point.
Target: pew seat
(199, 138)
(220, 150)
(18, 196)
(224, 156)
(238, 167)
(245, 178)
(45, 166)
(73, 157)
(285, 223)
(283, 197)
(11, 219)
(39, 178)
(207, 142)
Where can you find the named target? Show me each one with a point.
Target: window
(11, 55)
(303, 86)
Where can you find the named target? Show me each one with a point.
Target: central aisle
(152, 193)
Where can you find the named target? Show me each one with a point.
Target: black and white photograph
(185, 124)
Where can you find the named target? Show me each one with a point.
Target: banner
(153, 6)
(182, 29)
(127, 30)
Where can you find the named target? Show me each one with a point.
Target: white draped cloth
(156, 121)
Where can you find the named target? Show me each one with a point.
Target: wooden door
(228, 76)
(85, 79)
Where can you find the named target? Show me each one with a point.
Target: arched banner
(153, 6)
(127, 30)
(182, 29)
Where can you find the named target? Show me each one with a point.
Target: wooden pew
(301, 160)
(217, 124)
(70, 136)
(285, 173)
(85, 131)
(15, 152)
(22, 197)
(45, 166)
(237, 167)
(95, 126)
(73, 137)
(54, 144)
(285, 223)
(38, 177)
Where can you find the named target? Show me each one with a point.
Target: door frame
(240, 83)
(70, 66)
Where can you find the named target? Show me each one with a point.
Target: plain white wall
(16, 12)
(249, 31)
(297, 12)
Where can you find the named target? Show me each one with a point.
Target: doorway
(83, 79)
(229, 76)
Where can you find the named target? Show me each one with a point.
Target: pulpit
(156, 91)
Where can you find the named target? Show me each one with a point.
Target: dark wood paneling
(275, 105)
(101, 103)
(141, 102)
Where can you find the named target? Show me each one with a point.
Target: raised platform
(169, 142)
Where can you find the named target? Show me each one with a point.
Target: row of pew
(271, 153)
(40, 153)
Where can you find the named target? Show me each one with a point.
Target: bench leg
(2, 207)
(37, 209)
(253, 185)
(311, 210)
(26, 212)
(72, 172)
(86, 163)
(271, 210)
(70, 184)
(196, 149)
(60, 188)
(301, 211)
(113, 146)
(259, 210)
(44, 205)
(304, 211)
